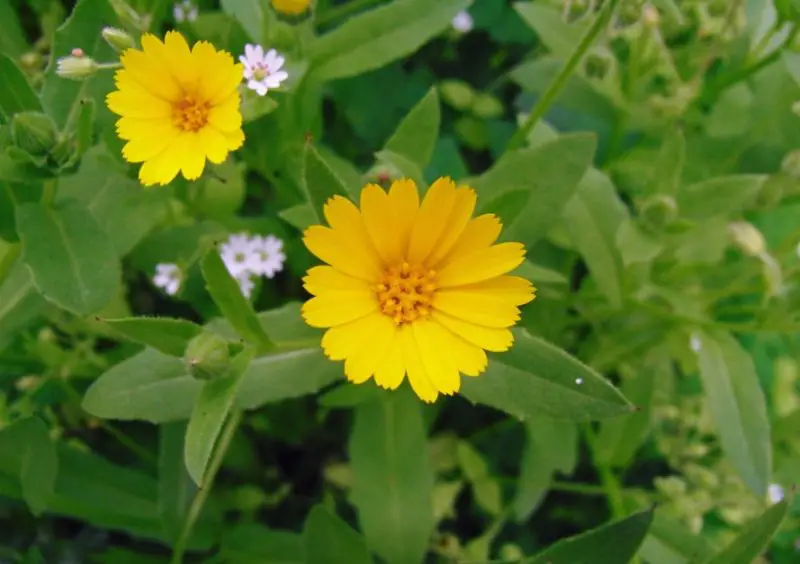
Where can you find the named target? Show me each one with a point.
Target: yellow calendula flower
(179, 107)
(417, 289)
(291, 7)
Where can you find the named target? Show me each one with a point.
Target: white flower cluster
(184, 11)
(463, 22)
(262, 71)
(244, 256)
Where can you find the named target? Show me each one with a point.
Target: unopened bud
(487, 106)
(747, 238)
(77, 52)
(34, 132)
(207, 356)
(118, 40)
(659, 211)
(650, 16)
(457, 93)
(76, 68)
(128, 16)
(31, 60)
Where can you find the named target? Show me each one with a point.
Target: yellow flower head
(416, 289)
(179, 107)
(291, 7)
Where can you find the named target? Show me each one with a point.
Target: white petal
(249, 52)
(261, 89)
(259, 53)
(177, 13)
(173, 287)
(277, 63)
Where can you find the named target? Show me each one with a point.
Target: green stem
(608, 480)
(49, 192)
(549, 96)
(202, 494)
(344, 10)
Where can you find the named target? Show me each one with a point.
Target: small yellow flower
(179, 107)
(416, 289)
(291, 7)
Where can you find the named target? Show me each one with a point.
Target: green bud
(76, 68)
(487, 106)
(659, 211)
(749, 239)
(118, 40)
(34, 133)
(207, 356)
(128, 16)
(457, 94)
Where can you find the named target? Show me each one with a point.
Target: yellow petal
(379, 220)
(336, 308)
(512, 289)
(234, 138)
(194, 158)
(221, 75)
(341, 341)
(226, 116)
(477, 307)
(329, 246)
(180, 62)
(454, 227)
(481, 264)
(363, 363)
(135, 101)
(429, 225)
(404, 203)
(345, 219)
(417, 376)
(471, 359)
(437, 359)
(214, 144)
(149, 70)
(129, 128)
(321, 279)
(480, 233)
(491, 339)
(144, 147)
(164, 167)
(391, 370)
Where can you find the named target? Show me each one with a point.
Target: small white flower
(262, 71)
(237, 254)
(463, 22)
(184, 11)
(775, 493)
(168, 278)
(269, 252)
(246, 284)
(695, 344)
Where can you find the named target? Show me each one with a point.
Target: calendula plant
(401, 281)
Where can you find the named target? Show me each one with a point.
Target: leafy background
(658, 197)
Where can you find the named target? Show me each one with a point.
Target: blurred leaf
(593, 217)
(20, 303)
(211, 409)
(71, 259)
(320, 182)
(329, 540)
(249, 14)
(170, 336)
(12, 36)
(405, 167)
(62, 98)
(255, 544)
(536, 378)
(754, 538)
(670, 542)
(301, 216)
(416, 136)
(392, 476)
(546, 177)
(738, 407)
(559, 36)
(719, 196)
(231, 303)
(255, 107)
(635, 244)
(613, 543)
(551, 446)
(350, 395)
(379, 36)
(152, 386)
(16, 95)
(27, 454)
(539, 274)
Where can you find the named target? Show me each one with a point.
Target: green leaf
(170, 336)
(719, 196)
(255, 544)
(380, 36)
(249, 14)
(558, 35)
(20, 303)
(62, 98)
(320, 182)
(545, 177)
(416, 136)
(12, 36)
(301, 216)
(738, 407)
(16, 95)
(72, 262)
(614, 543)
(230, 301)
(635, 244)
(329, 540)
(754, 538)
(29, 455)
(592, 217)
(403, 166)
(537, 378)
(551, 446)
(670, 542)
(392, 477)
(210, 411)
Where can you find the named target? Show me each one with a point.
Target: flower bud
(207, 356)
(659, 211)
(457, 93)
(34, 133)
(76, 68)
(487, 106)
(749, 239)
(118, 40)
(128, 16)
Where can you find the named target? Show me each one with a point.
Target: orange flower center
(190, 114)
(405, 292)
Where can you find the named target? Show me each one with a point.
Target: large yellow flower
(291, 7)
(178, 107)
(416, 289)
